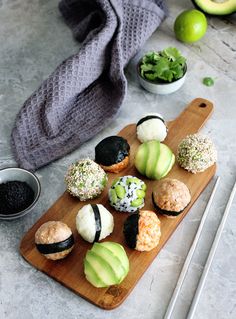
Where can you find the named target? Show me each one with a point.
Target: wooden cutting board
(69, 271)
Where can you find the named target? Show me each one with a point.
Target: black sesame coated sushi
(54, 240)
(170, 197)
(112, 154)
(142, 230)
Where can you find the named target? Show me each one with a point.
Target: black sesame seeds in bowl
(19, 192)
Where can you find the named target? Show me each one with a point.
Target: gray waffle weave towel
(84, 92)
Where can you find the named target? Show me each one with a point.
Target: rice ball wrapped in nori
(196, 153)
(94, 222)
(85, 179)
(54, 240)
(142, 230)
(151, 127)
(112, 154)
(170, 197)
(127, 193)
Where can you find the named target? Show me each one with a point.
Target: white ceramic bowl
(20, 174)
(161, 88)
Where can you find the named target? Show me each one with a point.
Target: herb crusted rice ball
(85, 179)
(196, 153)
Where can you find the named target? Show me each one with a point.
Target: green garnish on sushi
(127, 194)
(85, 179)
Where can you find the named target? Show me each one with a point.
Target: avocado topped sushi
(106, 264)
(154, 159)
(112, 154)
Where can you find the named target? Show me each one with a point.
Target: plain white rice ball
(151, 127)
(86, 223)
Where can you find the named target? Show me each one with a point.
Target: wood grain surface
(69, 271)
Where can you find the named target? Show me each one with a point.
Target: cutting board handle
(191, 120)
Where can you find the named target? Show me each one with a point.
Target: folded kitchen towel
(85, 91)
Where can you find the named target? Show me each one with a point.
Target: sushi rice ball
(54, 240)
(94, 222)
(85, 179)
(142, 230)
(127, 194)
(151, 127)
(170, 197)
(112, 154)
(196, 153)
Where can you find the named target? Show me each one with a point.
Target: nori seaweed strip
(98, 223)
(166, 212)
(111, 150)
(56, 247)
(149, 117)
(131, 229)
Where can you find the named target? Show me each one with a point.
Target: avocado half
(216, 7)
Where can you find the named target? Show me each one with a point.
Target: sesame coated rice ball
(85, 179)
(196, 153)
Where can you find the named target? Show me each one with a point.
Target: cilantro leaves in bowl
(165, 66)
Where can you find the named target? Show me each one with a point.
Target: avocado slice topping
(106, 264)
(118, 251)
(102, 268)
(111, 259)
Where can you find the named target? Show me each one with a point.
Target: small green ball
(208, 81)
